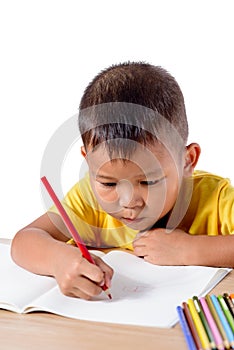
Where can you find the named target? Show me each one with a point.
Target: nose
(129, 196)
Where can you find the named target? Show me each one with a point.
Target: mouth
(131, 220)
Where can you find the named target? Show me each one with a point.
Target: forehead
(147, 159)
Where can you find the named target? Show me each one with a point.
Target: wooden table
(40, 330)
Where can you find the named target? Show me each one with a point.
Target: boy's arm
(40, 248)
(180, 248)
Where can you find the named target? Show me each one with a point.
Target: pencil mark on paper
(135, 289)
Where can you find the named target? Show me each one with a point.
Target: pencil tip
(107, 291)
(108, 294)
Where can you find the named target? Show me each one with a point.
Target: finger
(140, 242)
(85, 288)
(140, 251)
(141, 235)
(76, 293)
(91, 271)
(107, 270)
(150, 259)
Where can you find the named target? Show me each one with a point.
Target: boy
(141, 191)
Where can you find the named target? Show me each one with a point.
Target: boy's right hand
(76, 276)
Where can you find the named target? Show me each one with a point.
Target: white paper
(143, 294)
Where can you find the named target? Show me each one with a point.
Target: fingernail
(101, 284)
(108, 283)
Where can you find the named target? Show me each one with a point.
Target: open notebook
(143, 294)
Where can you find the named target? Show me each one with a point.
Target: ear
(192, 154)
(83, 151)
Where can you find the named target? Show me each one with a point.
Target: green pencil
(204, 322)
(226, 311)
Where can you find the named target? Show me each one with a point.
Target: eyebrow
(105, 177)
(158, 173)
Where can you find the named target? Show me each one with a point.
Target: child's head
(134, 130)
(132, 101)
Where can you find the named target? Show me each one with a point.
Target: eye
(149, 183)
(152, 182)
(108, 184)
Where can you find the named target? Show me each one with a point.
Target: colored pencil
(185, 328)
(192, 327)
(217, 320)
(206, 326)
(71, 227)
(199, 326)
(226, 311)
(214, 329)
(229, 303)
(226, 326)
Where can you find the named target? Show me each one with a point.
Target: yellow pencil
(199, 326)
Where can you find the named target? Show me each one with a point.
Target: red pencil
(71, 227)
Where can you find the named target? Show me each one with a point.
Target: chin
(137, 226)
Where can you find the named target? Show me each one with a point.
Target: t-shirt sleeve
(226, 209)
(81, 207)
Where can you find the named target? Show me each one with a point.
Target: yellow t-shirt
(210, 211)
(211, 208)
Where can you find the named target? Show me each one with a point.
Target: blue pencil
(185, 328)
(226, 326)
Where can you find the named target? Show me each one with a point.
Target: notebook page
(143, 294)
(19, 287)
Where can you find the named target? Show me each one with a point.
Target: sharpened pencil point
(107, 291)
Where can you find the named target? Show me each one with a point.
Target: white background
(49, 52)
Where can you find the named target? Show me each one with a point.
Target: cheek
(157, 198)
(161, 199)
(107, 199)
(172, 191)
(106, 195)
